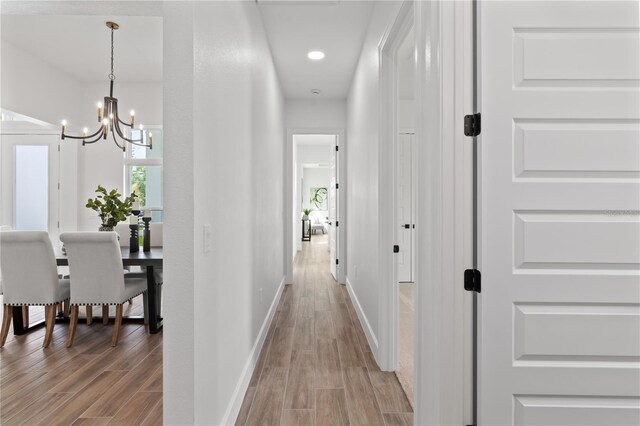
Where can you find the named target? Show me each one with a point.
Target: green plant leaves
(110, 207)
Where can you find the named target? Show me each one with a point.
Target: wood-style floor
(90, 383)
(316, 367)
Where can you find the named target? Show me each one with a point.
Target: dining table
(148, 261)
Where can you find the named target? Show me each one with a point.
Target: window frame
(129, 162)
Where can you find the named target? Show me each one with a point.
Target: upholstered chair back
(95, 266)
(125, 234)
(29, 271)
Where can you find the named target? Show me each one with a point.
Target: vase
(105, 228)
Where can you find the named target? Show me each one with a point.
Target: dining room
(81, 219)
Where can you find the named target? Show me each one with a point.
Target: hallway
(316, 367)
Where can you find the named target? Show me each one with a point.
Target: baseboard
(243, 384)
(368, 331)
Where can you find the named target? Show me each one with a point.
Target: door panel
(333, 213)
(560, 213)
(29, 175)
(405, 207)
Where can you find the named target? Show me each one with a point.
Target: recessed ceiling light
(315, 91)
(315, 55)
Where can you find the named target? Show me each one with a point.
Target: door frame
(443, 210)
(289, 255)
(54, 216)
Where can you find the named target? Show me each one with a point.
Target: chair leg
(75, 309)
(50, 320)
(6, 322)
(89, 310)
(105, 314)
(130, 301)
(66, 306)
(25, 316)
(116, 326)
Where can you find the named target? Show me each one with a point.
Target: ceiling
(80, 45)
(337, 28)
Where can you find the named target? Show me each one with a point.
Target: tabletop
(141, 258)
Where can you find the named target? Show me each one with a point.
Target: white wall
(308, 114)
(406, 114)
(238, 152)
(363, 172)
(32, 87)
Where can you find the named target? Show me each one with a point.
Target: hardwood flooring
(90, 383)
(316, 367)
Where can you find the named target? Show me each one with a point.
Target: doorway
(315, 153)
(315, 186)
(405, 210)
(30, 169)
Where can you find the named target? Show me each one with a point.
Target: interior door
(30, 170)
(560, 213)
(333, 212)
(405, 208)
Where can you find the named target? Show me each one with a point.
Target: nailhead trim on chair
(36, 304)
(99, 303)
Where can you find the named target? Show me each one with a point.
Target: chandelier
(109, 119)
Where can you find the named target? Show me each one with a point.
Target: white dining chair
(97, 277)
(30, 277)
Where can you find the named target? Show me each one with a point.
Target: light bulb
(132, 113)
(105, 121)
(141, 127)
(99, 104)
(315, 55)
(85, 131)
(64, 122)
(111, 116)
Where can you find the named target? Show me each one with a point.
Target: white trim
(442, 206)
(387, 182)
(233, 409)
(289, 254)
(364, 321)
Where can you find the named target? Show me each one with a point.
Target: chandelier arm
(85, 142)
(99, 132)
(125, 124)
(115, 140)
(119, 131)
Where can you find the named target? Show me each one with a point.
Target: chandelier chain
(112, 76)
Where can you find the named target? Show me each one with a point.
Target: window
(143, 172)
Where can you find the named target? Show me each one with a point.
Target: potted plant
(305, 215)
(110, 207)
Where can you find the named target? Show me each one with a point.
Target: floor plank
(331, 407)
(266, 408)
(314, 345)
(57, 385)
(398, 419)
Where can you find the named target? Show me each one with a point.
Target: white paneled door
(333, 212)
(404, 204)
(560, 213)
(29, 182)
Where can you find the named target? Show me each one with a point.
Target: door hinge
(472, 124)
(337, 186)
(337, 149)
(337, 261)
(396, 249)
(472, 280)
(58, 147)
(58, 185)
(337, 223)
